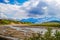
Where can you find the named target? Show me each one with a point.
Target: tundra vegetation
(46, 36)
(45, 24)
(6, 22)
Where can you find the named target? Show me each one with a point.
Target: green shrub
(46, 36)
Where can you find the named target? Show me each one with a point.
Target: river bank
(18, 31)
(28, 26)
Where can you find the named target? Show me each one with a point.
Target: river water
(38, 29)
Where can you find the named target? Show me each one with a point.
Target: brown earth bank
(10, 33)
(29, 26)
(13, 34)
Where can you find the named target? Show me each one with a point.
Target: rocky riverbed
(15, 33)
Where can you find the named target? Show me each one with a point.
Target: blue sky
(24, 9)
(13, 1)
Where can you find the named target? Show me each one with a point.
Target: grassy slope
(6, 22)
(48, 24)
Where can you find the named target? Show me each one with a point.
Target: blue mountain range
(40, 20)
(33, 20)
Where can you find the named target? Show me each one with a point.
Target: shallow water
(34, 29)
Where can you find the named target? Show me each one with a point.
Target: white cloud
(21, 11)
(3, 16)
(13, 11)
(8, 8)
(30, 4)
(54, 8)
(6, 1)
(21, 14)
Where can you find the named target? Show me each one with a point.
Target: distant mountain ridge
(33, 20)
(39, 20)
(54, 21)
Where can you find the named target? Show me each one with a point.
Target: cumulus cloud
(3, 16)
(39, 9)
(13, 11)
(9, 9)
(32, 8)
(45, 8)
(6, 1)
